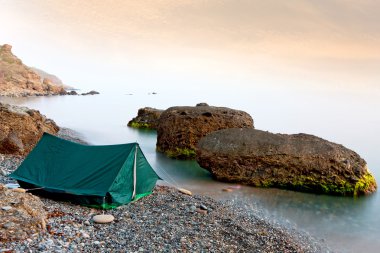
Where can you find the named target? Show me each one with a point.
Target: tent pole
(134, 174)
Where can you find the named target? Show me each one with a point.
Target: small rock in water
(227, 190)
(87, 223)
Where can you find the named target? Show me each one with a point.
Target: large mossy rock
(146, 118)
(21, 128)
(180, 128)
(298, 162)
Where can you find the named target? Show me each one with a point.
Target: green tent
(98, 176)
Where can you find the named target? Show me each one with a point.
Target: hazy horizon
(296, 66)
(153, 45)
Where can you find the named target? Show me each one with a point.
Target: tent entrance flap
(87, 172)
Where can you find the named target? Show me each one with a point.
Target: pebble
(163, 229)
(203, 207)
(235, 187)
(8, 225)
(21, 190)
(103, 218)
(6, 208)
(201, 211)
(2, 172)
(84, 234)
(184, 191)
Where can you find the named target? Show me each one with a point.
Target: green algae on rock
(140, 125)
(297, 162)
(180, 128)
(179, 153)
(147, 118)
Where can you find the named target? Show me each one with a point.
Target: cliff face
(17, 79)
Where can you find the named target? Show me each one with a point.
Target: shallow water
(346, 224)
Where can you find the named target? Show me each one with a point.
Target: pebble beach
(165, 221)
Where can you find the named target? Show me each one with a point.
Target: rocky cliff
(17, 79)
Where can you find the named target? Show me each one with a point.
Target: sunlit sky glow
(329, 43)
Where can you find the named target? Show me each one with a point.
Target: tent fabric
(92, 175)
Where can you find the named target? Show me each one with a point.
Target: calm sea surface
(351, 119)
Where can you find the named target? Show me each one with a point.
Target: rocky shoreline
(20, 80)
(165, 221)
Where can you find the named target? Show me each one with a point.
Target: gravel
(165, 221)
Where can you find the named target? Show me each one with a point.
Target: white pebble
(6, 208)
(85, 235)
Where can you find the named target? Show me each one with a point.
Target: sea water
(349, 118)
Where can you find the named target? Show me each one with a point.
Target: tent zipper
(134, 174)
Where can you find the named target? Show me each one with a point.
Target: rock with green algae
(181, 127)
(147, 118)
(299, 162)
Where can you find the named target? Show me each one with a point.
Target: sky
(322, 44)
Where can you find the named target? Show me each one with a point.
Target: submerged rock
(298, 162)
(147, 117)
(21, 128)
(180, 128)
